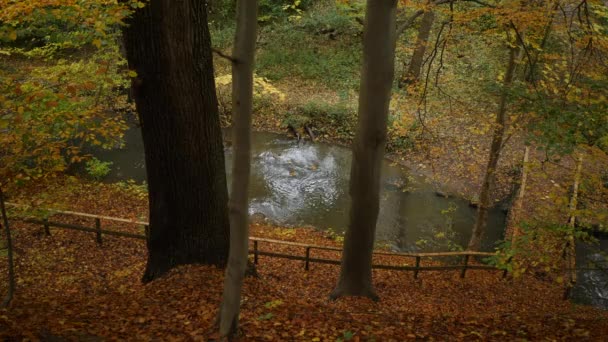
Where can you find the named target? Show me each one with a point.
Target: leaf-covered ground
(69, 287)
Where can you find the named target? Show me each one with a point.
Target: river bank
(454, 162)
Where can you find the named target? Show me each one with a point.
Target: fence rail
(257, 252)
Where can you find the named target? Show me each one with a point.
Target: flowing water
(592, 277)
(307, 184)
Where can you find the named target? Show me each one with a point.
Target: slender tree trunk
(242, 104)
(168, 45)
(495, 149)
(570, 247)
(9, 248)
(531, 72)
(412, 73)
(368, 149)
(519, 200)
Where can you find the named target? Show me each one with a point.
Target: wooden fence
(257, 252)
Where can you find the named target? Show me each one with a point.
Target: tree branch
(483, 3)
(223, 55)
(407, 23)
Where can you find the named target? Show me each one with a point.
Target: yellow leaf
(12, 35)
(132, 73)
(97, 43)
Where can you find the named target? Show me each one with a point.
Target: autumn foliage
(63, 83)
(70, 287)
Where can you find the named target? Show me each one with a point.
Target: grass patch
(329, 120)
(222, 35)
(323, 46)
(335, 66)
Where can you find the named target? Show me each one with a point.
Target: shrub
(265, 95)
(337, 120)
(98, 169)
(222, 36)
(133, 188)
(341, 19)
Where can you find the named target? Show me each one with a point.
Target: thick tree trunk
(168, 45)
(495, 149)
(9, 249)
(242, 105)
(412, 71)
(368, 149)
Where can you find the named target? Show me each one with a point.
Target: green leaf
(266, 317)
(348, 335)
(273, 304)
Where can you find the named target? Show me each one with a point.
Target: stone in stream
(258, 218)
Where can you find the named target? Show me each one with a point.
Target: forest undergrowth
(70, 288)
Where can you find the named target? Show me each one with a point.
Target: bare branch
(445, 43)
(223, 55)
(407, 23)
(483, 3)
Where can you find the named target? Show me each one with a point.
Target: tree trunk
(495, 149)
(519, 200)
(9, 249)
(570, 247)
(168, 45)
(412, 73)
(531, 72)
(368, 149)
(242, 104)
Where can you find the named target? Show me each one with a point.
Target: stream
(592, 284)
(306, 184)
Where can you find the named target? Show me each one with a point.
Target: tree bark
(531, 72)
(9, 248)
(368, 150)
(519, 200)
(168, 45)
(413, 70)
(495, 149)
(242, 105)
(570, 247)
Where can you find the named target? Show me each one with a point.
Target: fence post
(417, 266)
(255, 252)
(47, 232)
(307, 258)
(98, 229)
(505, 272)
(464, 267)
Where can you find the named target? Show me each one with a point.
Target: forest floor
(69, 288)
